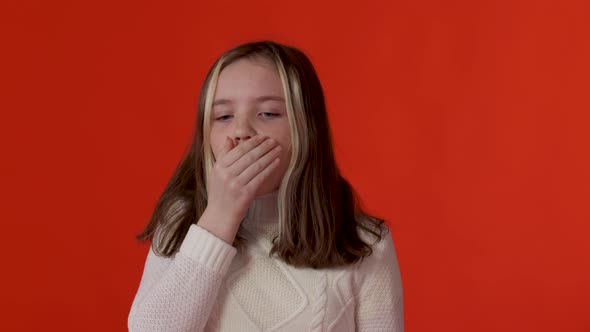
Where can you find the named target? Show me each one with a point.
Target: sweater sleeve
(379, 290)
(177, 293)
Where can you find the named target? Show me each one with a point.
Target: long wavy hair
(320, 216)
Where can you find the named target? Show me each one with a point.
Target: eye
(269, 115)
(223, 118)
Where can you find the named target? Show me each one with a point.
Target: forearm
(181, 298)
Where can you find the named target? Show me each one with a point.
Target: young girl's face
(249, 100)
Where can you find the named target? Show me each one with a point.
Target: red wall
(464, 123)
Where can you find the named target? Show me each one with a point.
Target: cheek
(285, 156)
(281, 170)
(283, 136)
(285, 142)
(215, 152)
(216, 147)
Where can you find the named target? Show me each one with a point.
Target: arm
(379, 287)
(177, 293)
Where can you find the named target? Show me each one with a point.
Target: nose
(243, 131)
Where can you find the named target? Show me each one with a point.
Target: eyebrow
(260, 99)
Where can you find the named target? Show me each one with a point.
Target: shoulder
(381, 245)
(378, 289)
(382, 262)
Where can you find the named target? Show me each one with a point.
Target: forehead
(248, 79)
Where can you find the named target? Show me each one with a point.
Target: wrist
(223, 225)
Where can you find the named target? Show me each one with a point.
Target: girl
(257, 230)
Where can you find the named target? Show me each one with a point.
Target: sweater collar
(264, 208)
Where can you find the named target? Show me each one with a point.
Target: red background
(464, 123)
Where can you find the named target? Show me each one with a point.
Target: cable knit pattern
(264, 280)
(317, 323)
(208, 285)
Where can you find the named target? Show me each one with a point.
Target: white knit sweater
(208, 285)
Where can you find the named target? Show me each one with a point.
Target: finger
(259, 179)
(258, 166)
(238, 151)
(252, 156)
